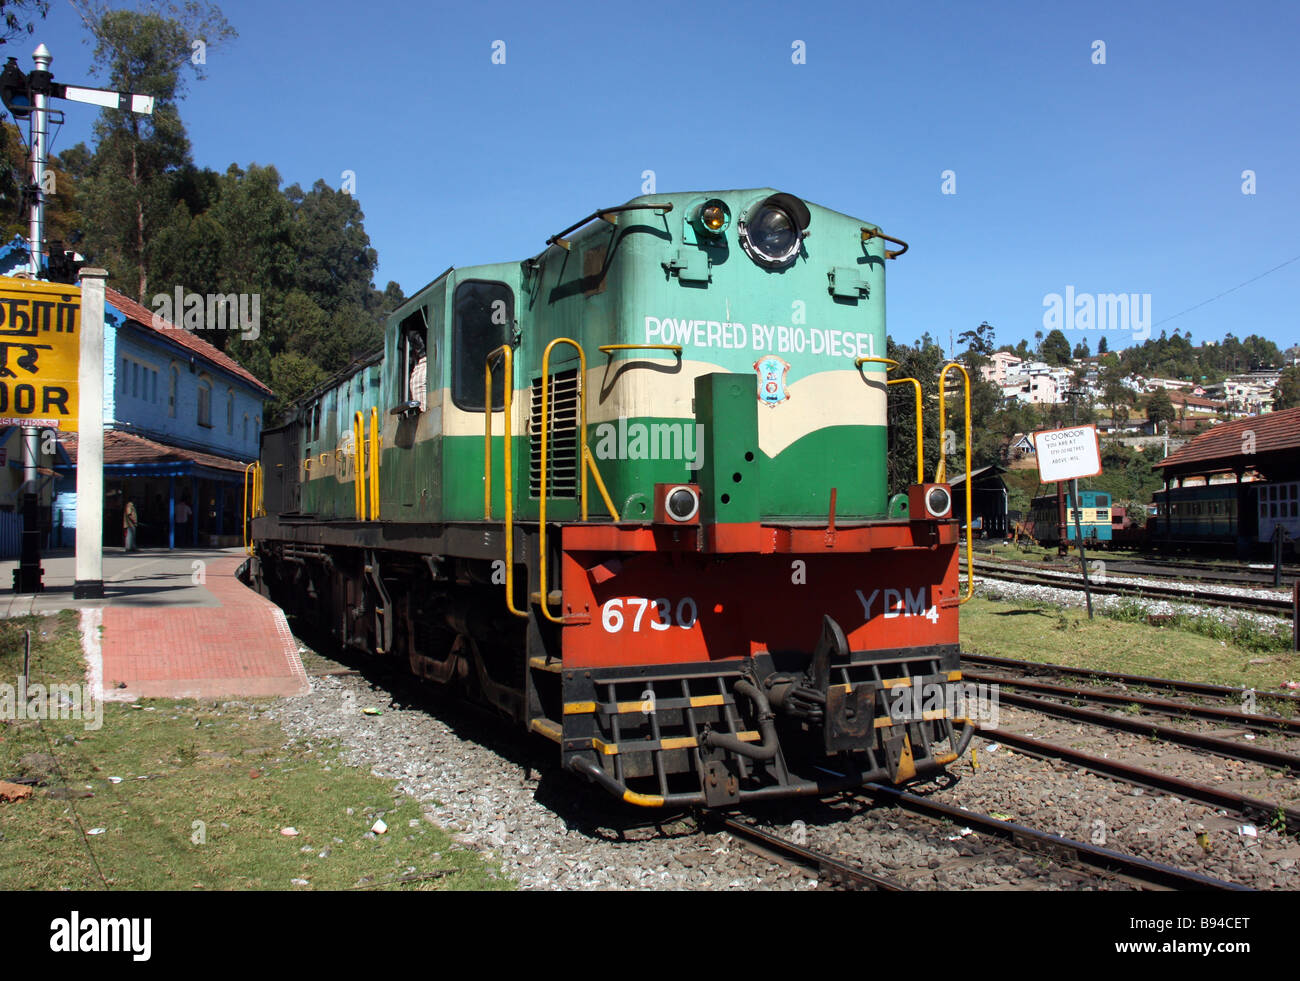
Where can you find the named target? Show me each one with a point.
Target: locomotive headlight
(938, 501)
(772, 233)
(677, 504)
(682, 503)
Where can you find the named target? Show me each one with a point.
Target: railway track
(841, 873)
(1137, 775)
(1258, 576)
(1280, 606)
(1246, 752)
(1136, 870)
(1161, 706)
(1140, 870)
(1195, 688)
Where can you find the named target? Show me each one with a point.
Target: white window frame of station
(1275, 502)
(125, 388)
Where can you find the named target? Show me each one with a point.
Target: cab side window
(412, 340)
(484, 316)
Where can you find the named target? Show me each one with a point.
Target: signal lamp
(15, 90)
(713, 218)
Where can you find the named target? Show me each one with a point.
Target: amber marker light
(714, 217)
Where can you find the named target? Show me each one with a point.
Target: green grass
(220, 783)
(1067, 636)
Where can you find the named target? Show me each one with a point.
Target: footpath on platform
(172, 624)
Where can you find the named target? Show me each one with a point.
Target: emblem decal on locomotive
(772, 373)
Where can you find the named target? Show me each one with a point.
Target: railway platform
(175, 624)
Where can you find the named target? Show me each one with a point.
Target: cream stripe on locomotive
(839, 397)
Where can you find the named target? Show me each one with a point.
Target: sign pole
(1078, 530)
(90, 440)
(27, 577)
(39, 130)
(1062, 522)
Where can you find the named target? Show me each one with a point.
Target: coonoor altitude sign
(40, 350)
(1067, 454)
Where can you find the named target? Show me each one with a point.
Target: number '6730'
(620, 612)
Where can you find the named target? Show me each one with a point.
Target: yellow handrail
(920, 427)
(507, 360)
(859, 362)
(373, 462)
(582, 452)
(941, 471)
(248, 545)
(920, 430)
(589, 462)
(586, 462)
(359, 464)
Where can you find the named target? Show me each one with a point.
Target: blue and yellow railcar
(1092, 516)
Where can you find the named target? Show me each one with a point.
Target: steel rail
(1162, 705)
(830, 868)
(1174, 684)
(1145, 727)
(1275, 607)
(1254, 578)
(1144, 777)
(1154, 873)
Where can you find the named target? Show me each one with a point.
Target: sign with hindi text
(40, 351)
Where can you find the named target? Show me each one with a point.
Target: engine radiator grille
(562, 443)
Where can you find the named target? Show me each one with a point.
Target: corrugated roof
(185, 338)
(120, 447)
(1229, 442)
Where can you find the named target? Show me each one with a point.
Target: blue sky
(1116, 177)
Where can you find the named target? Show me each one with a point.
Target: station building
(181, 422)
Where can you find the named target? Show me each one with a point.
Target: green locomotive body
(696, 404)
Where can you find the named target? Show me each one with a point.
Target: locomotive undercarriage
(713, 733)
(724, 732)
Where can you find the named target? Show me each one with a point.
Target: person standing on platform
(183, 515)
(130, 521)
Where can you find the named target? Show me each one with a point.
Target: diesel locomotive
(632, 492)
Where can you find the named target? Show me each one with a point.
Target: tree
(1081, 349)
(1114, 392)
(130, 190)
(1287, 393)
(1055, 349)
(18, 17)
(1102, 346)
(922, 361)
(1160, 407)
(978, 341)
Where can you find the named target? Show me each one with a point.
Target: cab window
(484, 315)
(412, 356)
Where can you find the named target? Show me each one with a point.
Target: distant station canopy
(1267, 444)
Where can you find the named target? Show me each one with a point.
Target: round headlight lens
(938, 501)
(714, 217)
(682, 504)
(772, 235)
